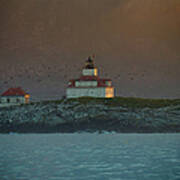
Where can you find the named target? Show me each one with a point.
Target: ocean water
(90, 157)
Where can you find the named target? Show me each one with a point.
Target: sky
(44, 43)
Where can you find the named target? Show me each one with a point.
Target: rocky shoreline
(74, 116)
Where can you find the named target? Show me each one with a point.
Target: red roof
(88, 78)
(14, 92)
(102, 82)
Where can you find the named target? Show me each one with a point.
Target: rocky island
(122, 115)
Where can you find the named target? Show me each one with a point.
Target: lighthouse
(89, 84)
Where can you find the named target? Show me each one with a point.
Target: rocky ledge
(123, 115)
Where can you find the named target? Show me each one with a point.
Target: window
(91, 92)
(17, 100)
(108, 83)
(8, 100)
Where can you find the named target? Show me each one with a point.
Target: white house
(14, 96)
(89, 84)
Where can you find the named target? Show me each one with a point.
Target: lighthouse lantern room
(89, 84)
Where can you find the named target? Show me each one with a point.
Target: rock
(75, 116)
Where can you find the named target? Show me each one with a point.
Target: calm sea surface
(90, 157)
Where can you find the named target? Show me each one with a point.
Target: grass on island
(129, 102)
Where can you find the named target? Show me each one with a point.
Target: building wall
(90, 72)
(14, 100)
(86, 83)
(91, 92)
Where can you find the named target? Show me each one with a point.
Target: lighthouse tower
(89, 84)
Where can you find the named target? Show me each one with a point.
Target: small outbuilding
(14, 96)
